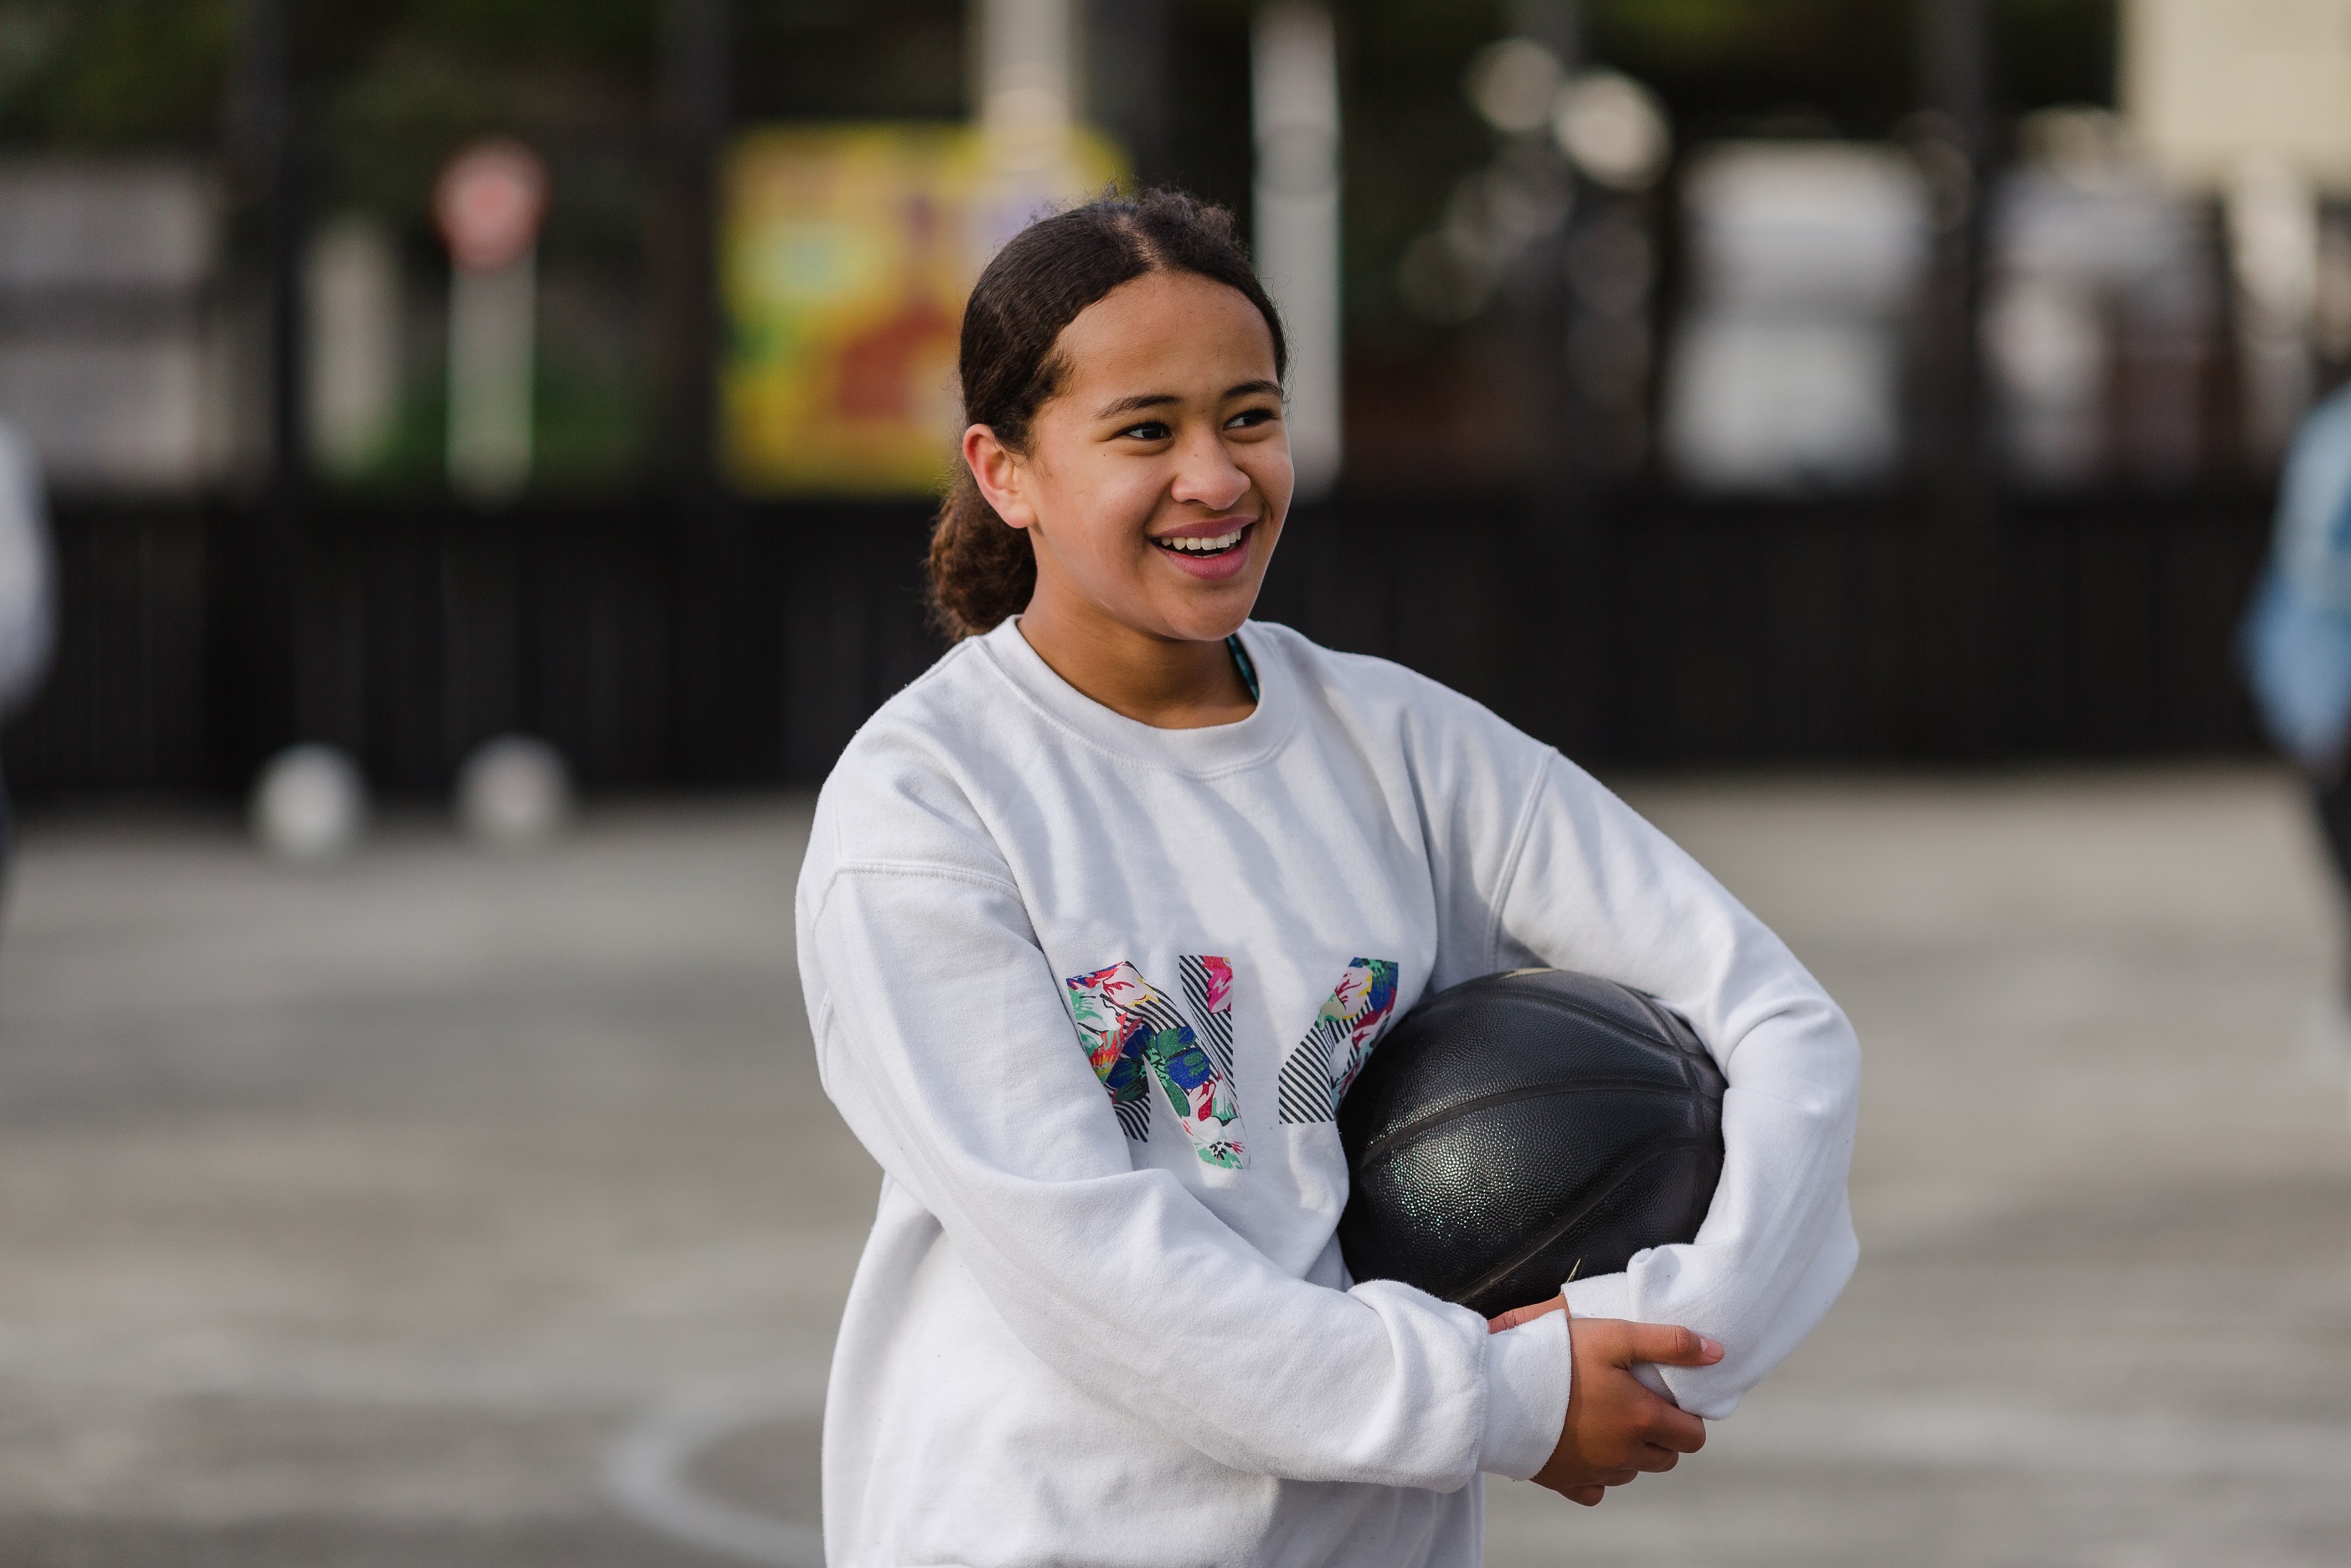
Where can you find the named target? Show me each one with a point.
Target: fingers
(1517, 1315)
(1669, 1345)
(1669, 1427)
(1654, 1460)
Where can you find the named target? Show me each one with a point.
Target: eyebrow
(1143, 400)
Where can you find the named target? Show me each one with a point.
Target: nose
(1206, 474)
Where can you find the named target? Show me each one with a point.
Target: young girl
(1100, 917)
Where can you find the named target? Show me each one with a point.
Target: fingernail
(1713, 1347)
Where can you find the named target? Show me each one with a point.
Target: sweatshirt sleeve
(943, 1041)
(1588, 885)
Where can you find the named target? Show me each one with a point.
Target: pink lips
(1209, 568)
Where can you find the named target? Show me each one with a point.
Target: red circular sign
(489, 202)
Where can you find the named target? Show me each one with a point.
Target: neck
(1165, 682)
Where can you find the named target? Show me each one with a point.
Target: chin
(1212, 628)
(1194, 619)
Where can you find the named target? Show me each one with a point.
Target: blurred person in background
(2298, 634)
(26, 618)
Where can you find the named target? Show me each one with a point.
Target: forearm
(1759, 1301)
(1598, 889)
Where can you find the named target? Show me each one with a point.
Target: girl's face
(1157, 480)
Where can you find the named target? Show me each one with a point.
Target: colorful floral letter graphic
(1130, 1030)
(1322, 1068)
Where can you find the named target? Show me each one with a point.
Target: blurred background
(1873, 381)
(488, 449)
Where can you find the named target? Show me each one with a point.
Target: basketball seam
(1671, 1023)
(1519, 1259)
(1381, 1147)
(1608, 1021)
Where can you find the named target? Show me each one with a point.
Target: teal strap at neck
(1241, 663)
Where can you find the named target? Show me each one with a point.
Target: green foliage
(589, 430)
(393, 90)
(1700, 33)
(113, 73)
(387, 90)
(399, 92)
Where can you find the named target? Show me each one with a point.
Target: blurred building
(116, 361)
(1782, 377)
(2252, 104)
(2101, 325)
(1807, 262)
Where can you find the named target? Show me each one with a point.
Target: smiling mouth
(1209, 544)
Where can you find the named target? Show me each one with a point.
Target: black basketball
(1518, 1130)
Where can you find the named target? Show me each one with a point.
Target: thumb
(1668, 1346)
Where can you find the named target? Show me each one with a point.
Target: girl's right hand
(1616, 1427)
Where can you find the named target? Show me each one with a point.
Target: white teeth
(1206, 546)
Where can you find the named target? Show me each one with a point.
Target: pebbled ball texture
(1514, 1131)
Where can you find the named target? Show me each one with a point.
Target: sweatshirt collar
(1218, 749)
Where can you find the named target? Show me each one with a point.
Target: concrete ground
(449, 1208)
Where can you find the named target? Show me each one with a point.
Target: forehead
(1168, 327)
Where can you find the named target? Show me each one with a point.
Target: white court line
(645, 1474)
(646, 1470)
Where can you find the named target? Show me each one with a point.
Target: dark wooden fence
(744, 644)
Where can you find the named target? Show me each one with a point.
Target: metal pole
(1128, 71)
(1557, 639)
(726, 716)
(1552, 470)
(1959, 582)
(1955, 78)
(257, 575)
(269, 125)
(697, 111)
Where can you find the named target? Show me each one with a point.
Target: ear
(1001, 475)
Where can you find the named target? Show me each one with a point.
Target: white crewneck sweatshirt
(1089, 992)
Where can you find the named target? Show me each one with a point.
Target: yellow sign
(847, 254)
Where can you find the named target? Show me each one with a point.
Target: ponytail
(982, 569)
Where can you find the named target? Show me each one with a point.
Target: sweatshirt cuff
(1611, 1296)
(1602, 1296)
(1528, 1371)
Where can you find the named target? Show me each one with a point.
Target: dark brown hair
(982, 569)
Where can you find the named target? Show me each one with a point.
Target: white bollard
(514, 792)
(309, 804)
